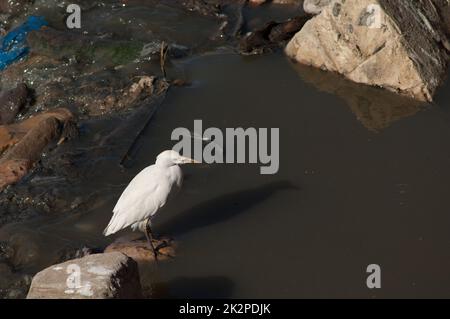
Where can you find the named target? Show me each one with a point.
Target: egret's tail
(118, 223)
(108, 231)
(113, 227)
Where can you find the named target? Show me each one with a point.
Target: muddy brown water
(364, 179)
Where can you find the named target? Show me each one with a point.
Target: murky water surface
(347, 195)
(364, 178)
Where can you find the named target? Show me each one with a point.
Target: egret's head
(169, 158)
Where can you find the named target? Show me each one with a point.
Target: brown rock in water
(272, 35)
(141, 252)
(98, 276)
(12, 171)
(23, 143)
(12, 103)
(286, 30)
(397, 45)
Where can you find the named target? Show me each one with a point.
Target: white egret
(147, 193)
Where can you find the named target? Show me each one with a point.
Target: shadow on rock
(222, 208)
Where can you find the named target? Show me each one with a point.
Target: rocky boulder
(99, 276)
(398, 45)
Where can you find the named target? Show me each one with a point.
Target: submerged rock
(398, 45)
(99, 276)
(12, 103)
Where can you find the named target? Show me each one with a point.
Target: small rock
(257, 2)
(12, 171)
(271, 36)
(287, 29)
(315, 6)
(99, 276)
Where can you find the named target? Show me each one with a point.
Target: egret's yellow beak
(187, 160)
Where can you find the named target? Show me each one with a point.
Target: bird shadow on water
(222, 208)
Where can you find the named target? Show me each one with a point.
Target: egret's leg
(149, 235)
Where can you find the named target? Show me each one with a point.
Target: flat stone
(98, 276)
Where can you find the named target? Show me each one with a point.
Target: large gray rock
(99, 276)
(399, 45)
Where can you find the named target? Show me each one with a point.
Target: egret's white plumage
(148, 192)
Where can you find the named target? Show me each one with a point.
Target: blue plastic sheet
(13, 46)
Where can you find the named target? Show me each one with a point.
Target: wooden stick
(163, 57)
(153, 105)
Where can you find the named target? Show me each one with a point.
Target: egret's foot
(156, 237)
(153, 250)
(162, 244)
(155, 255)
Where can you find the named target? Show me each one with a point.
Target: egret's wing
(142, 198)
